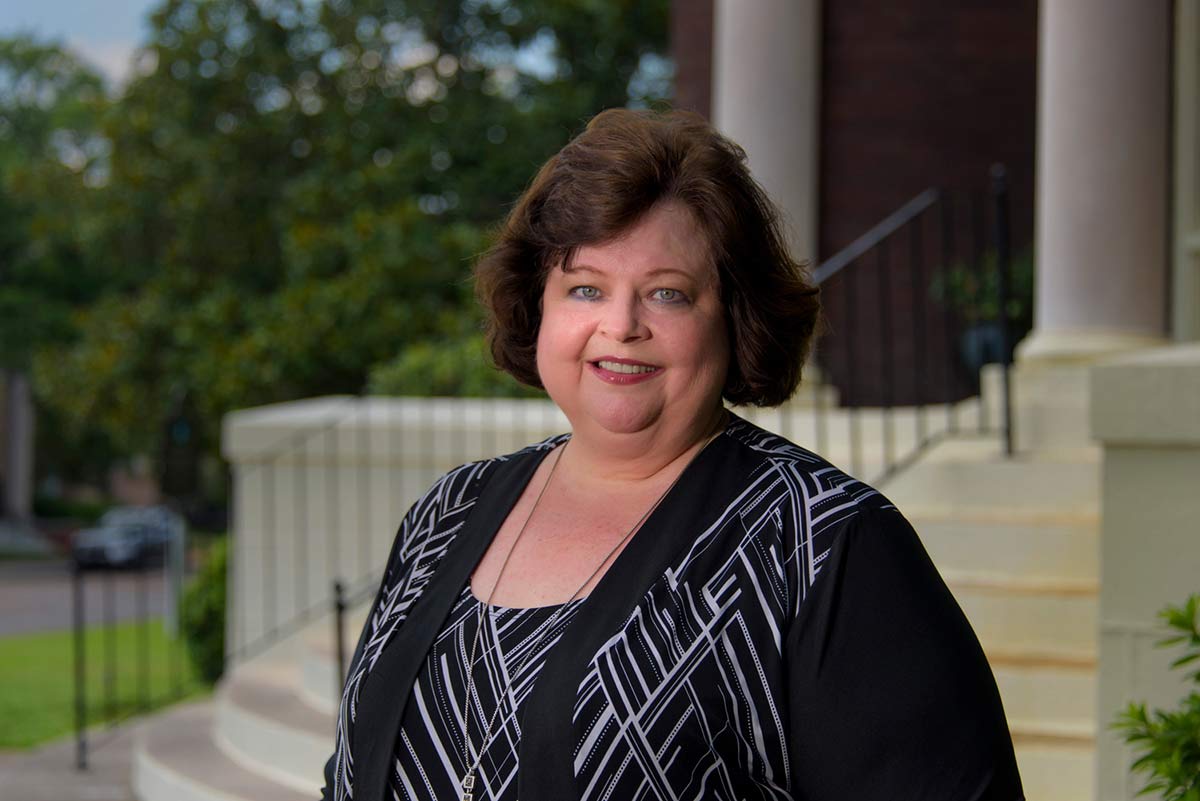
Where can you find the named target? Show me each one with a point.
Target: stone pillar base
(1080, 346)
(1051, 396)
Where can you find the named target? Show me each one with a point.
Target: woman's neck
(606, 460)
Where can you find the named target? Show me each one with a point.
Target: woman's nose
(623, 320)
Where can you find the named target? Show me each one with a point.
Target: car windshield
(147, 520)
(117, 518)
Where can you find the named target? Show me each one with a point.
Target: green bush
(1168, 742)
(202, 613)
(442, 368)
(48, 506)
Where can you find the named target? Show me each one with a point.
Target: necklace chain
(468, 782)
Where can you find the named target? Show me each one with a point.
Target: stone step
(320, 687)
(1031, 550)
(1052, 771)
(967, 486)
(1061, 626)
(261, 720)
(1048, 697)
(1052, 423)
(176, 758)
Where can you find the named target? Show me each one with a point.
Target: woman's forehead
(665, 240)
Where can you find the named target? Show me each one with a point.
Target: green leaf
(1184, 660)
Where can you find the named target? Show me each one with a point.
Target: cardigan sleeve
(890, 694)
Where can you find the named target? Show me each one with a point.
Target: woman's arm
(891, 697)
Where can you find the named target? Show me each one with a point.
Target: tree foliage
(49, 109)
(290, 195)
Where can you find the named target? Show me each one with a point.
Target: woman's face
(633, 336)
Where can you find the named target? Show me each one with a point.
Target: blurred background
(238, 334)
(209, 206)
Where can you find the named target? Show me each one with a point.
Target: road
(36, 596)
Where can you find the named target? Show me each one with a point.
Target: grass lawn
(37, 679)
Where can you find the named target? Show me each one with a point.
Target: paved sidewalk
(48, 773)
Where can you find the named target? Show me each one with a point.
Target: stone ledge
(1151, 397)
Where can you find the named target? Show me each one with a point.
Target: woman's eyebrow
(670, 270)
(580, 268)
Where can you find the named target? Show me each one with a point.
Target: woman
(668, 602)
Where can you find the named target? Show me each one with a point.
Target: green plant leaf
(1167, 741)
(1184, 660)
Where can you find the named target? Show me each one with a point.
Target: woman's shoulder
(823, 490)
(437, 514)
(462, 484)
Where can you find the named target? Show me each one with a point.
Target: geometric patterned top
(429, 750)
(774, 630)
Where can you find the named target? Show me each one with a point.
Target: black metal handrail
(878, 250)
(883, 229)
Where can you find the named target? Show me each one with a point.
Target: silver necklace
(468, 782)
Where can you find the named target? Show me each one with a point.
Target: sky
(103, 32)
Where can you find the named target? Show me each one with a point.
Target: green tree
(51, 155)
(49, 146)
(296, 191)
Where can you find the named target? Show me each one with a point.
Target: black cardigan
(774, 630)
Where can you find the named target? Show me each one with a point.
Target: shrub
(202, 613)
(452, 367)
(1169, 741)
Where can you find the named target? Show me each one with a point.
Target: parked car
(127, 536)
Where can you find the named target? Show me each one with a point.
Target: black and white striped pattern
(687, 699)
(424, 535)
(511, 653)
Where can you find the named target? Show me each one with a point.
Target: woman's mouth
(623, 371)
(629, 369)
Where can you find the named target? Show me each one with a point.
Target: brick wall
(916, 93)
(691, 44)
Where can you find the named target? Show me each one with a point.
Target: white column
(1103, 118)
(1185, 289)
(765, 93)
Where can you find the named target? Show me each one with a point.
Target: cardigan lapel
(548, 739)
(387, 687)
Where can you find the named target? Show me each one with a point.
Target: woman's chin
(622, 418)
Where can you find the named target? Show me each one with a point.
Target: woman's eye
(668, 295)
(585, 292)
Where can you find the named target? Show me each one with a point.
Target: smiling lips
(623, 371)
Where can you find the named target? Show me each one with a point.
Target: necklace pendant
(468, 784)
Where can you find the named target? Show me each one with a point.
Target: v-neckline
(547, 723)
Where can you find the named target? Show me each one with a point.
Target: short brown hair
(599, 186)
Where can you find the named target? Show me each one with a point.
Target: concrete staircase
(265, 735)
(1016, 540)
